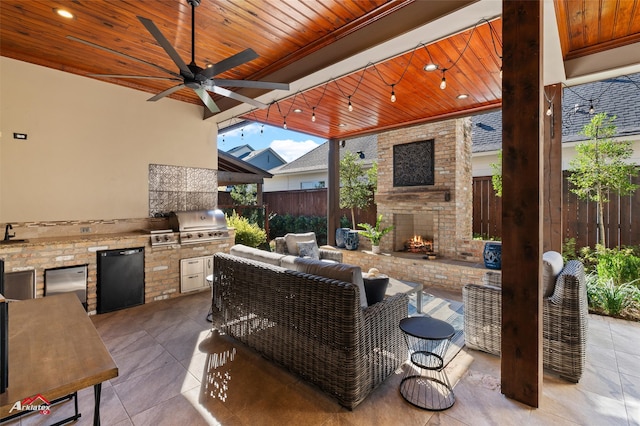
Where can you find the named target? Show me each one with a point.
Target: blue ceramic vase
(492, 255)
(341, 234)
(351, 241)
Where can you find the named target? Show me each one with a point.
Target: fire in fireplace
(417, 244)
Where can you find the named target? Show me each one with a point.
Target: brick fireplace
(425, 186)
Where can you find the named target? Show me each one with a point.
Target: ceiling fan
(200, 80)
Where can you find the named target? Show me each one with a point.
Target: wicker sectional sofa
(312, 325)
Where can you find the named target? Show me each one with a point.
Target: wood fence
(621, 215)
(580, 221)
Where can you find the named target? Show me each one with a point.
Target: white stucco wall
(291, 182)
(89, 145)
(481, 161)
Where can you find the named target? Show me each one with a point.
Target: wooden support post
(552, 190)
(522, 103)
(333, 191)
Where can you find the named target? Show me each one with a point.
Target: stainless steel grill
(199, 226)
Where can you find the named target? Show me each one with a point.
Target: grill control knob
(199, 235)
(188, 236)
(158, 238)
(166, 238)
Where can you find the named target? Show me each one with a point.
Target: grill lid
(197, 220)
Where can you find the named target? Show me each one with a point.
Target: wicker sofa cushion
(292, 240)
(256, 254)
(309, 249)
(552, 264)
(492, 278)
(337, 271)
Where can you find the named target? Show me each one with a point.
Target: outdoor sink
(12, 241)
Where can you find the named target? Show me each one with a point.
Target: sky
(288, 144)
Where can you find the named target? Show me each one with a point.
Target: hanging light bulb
(443, 83)
(500, 72)
(591, 109)
(242, 133)
(350, 106)
(262, 129)
(393, 93)
(549, 111)
(284, 126)
(313, 115)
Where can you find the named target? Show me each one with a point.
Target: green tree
(600, 167)
(496, 178)
(355, 186)
(245, 194)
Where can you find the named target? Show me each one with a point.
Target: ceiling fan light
(64, 13)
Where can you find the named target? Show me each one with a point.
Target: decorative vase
(375, 288)
(492, 255)
(375, 249)
(351, 241)
(341, 234)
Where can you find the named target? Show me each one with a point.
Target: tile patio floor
(167, 358)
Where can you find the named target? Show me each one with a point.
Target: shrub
(619, 265)
(280, 225)
(612, 299)
(247, 233)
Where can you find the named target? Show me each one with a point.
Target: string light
(262, 129)
(501, 72)
(284, 125)
(549, 110)
(350, 107)
(313, 115)
(591, 109)
(242, 133)
(393, 93)
(443, 83)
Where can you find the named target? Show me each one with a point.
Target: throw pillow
(552, 264)
(309, 249)
(336, 271)
(292, 240)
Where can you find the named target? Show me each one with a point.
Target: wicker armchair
(286, 245)
(565, 317)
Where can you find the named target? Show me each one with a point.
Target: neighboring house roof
(265, 158)
(616, 96)
(317, 159)
(232, 170)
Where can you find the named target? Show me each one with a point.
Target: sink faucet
(7, 236)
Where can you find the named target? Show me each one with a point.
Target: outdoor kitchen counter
(161, 263)
(72, 239)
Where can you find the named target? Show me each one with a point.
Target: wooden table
(54, 351)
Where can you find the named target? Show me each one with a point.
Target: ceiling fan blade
(236, 96)
(253, 84)
(164, 43)
(150, 77)
(206, 99)
(97, 46)
(169, 91)
(231, 62)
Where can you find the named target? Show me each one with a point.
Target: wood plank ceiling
(285, 35)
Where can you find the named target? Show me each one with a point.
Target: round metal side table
(425, 383)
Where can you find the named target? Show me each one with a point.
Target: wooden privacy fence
(312, 202)
(305, 202)
(579, 217)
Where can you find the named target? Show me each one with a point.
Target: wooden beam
(333, 191)
(231, 178)
(552, 189)
(521, 362)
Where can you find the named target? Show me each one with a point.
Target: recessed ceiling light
(64, 13)
(297, 110)
(430, 67)
(342, 125)
(463, 96)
